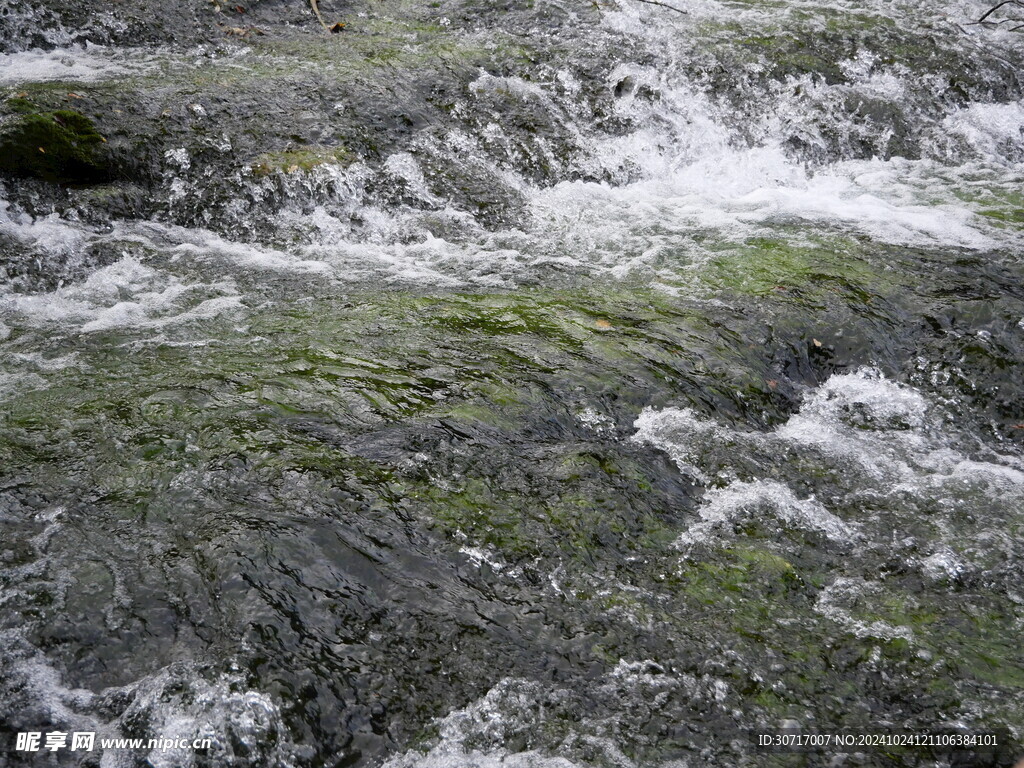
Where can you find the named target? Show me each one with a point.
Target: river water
(655, 383)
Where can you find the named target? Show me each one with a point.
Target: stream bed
(539, 384)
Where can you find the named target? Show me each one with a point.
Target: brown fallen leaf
(604, 325)
(816, 342)
(772, 383)
(42, 150)
(339, 27)
(74, 96)
(1017, 426)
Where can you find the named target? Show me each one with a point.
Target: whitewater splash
(76, 64)
(884, 460)
(639, 203)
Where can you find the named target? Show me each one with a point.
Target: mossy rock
(62, 146)
(304, 159)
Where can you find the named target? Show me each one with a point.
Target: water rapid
(537, 384)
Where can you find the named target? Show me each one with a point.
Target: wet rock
(62, 146)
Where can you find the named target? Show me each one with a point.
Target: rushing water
(638, 381)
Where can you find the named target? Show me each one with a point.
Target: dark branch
(680, 10)
(994, 8)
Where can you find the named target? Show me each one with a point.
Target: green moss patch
(303, 159)
(61, 146)
(776, 266)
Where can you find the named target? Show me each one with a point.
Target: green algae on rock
(62, 146)
(300, 159)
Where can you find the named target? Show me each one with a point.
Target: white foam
(40, 362)
(692, 168)
(478, 557)
(866, 399)
(17, 383)
(876, 439)
(43, 684)
(402, 165)
(251, 257)
(741, 193)
(123, 295)
(724, 507)
(684, 166)
(84, 64)
(176, 703)
(598, 423)
(943, 564)
(987, 128)
(886, 429)
(865, 418)
(135, 314)
(472, 736)
(240, 722)
(51, 234)
(682, 434)
(834, 603)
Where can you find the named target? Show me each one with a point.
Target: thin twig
(680, 10)
(316, 10)
(992, 10)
